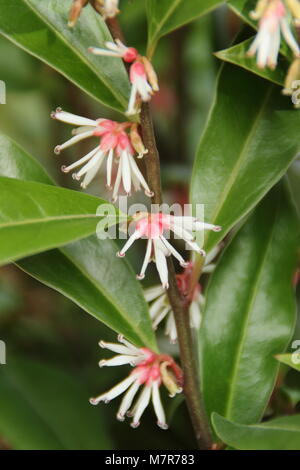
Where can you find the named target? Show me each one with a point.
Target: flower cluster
(152, 227)
(116, 145)
(142, 75)
(160, 307)
(151, 370)
(274, 20)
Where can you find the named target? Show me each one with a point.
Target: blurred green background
(52, 345)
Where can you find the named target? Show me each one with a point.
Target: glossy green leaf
(40, 27)
(278, 434)
(237, 55)
(249, 315)
(44, 408)
(35, 217)
(166, 15)
(292, 360)
(87, 271)
(251, 137)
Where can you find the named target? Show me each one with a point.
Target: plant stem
(179, 305)
(196, 273)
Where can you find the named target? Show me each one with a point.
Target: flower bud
(136, 141)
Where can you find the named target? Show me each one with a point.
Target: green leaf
(166, 15)
(278, 434)
(249, 315)
(16, 163)
(292, 360)
(251, 137)
(87, 272)
(41, 29)
(237, 55)
(35, 217)
(44, 408)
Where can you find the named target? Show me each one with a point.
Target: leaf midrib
(251, 303)
(159, 25)
(240, 160)
(78, 53)
(48, 219)
(102, 290)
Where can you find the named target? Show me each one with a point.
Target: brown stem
(152, 157)
(179, 306)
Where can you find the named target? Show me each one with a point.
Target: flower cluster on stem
(152, 227)
(119, 144)
(150, 372)
(142, 75)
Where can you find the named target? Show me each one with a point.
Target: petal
(159, 318)
(73, 140)
(141, 405)
(69, 118)
(158, 408)
(126, 174)
(138, 173)
(117, 348)
(161, 264)
(130, 241)
(146, 259)
(173, 251)
(115, 391)
(109, 167)
(132, 101)
(152, 293)
(127, 400)
(119, 360)
(81, 161)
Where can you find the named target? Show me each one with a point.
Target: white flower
(160, 308)
(150, 371)
(116, 146)
(153, 226)
(273, 22)
(142, 75)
